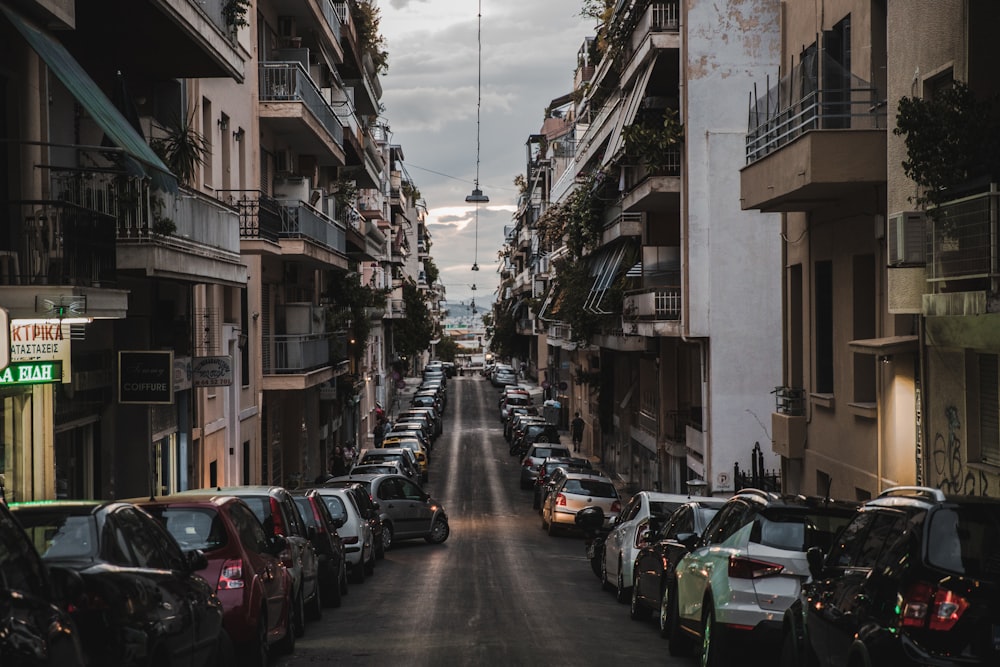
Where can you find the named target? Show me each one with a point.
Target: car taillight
(232, 575)
(279, 527)
(932, 607)
(616, 507)
(741, 567)
(639, 531)
(561, 500)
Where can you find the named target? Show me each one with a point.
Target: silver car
(535, 456)
(576, 491)
(355, 533)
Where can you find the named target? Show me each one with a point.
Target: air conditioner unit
(906, 239)
(284, 161)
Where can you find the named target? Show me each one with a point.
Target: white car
(355, 533)
(574, 492)
(625, 539)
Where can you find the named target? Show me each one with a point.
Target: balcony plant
(366, 18)
(234, 12)
(182, 148)
(951, 139)
(651, 143)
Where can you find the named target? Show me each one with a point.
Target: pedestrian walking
(576, 429)
(338, 466)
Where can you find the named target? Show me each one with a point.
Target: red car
(255, 588)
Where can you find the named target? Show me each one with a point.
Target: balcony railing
(963, 239)
(113, 194)
(289, 82)
(332, 16)
(636, 174)
(653, 303)
(664, 15)
(63, 244)
(213, 10)
(303, 221)
(773, 126)
(790, 401)
(296, 353)
(260, 216)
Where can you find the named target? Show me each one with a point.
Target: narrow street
(499, 591)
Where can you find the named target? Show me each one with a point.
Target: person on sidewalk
(576, 428)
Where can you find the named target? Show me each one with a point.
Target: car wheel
(712, 642)
(343, 580)
(605, 584)
(789, 656)
(314, 610)
(553, 528)
(665, 613)
(256, 652)
(299, 615)
(225, 653)
(439, 531)
(536, 501)
(636, 611)
(286, 644)
(331, 596)
(358, 573)
(386, 537)
(370, 565)
(680, 643)
(621, 593)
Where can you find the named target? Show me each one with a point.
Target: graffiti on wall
(953, 476)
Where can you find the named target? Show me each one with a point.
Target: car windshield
(57, 535)
(590, 487)
(966, 540)
(798, 531)
(306, 510)
(193, 528)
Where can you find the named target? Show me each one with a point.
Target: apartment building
(661, 317)
(197, 235)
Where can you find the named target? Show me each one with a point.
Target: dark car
(407, 511)
(142, 600)
(276, 510)
(653, 569)
(35, 629)
(322, 530)
(913, 579)
(537, 433)
(242, 563)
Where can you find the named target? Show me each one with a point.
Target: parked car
(432, 416)
(274, 508)
(576, 491)
(535, 455)
(141, 598)
(402, 455)
(369, 509)
(449, 368)
(653, 582)
(427, 400)
(645, 510)
(913, 579)
(254, 587)
(512, 400)
(551, 471)
(419, 452)
(355, 531)
(407, 510)
(746, 571)
(32, 604)
(508, 424)
(322, 527)
(536, 432)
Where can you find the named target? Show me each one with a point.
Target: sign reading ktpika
(146, 376)
(37, 340)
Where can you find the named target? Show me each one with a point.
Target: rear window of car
(542, 452)
(662, 510)
(336, 506)
(590, 487)
(306, 510)
(798, 531)
(966, 540)
(193, 528)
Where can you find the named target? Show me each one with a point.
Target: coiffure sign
(146, 376)
(41, 341)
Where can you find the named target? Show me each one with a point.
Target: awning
(141, 157)
(627, 113)
(606, 269)
(885, 346)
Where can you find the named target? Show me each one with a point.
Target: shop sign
(41, 341)
(182, 373)
(212, 371)
(31, 372)
(146, 377)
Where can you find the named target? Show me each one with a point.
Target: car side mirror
(196, 560)
(816, 558)
(689, 540)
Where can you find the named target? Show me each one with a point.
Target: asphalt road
(500, 591)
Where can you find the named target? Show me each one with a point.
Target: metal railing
(653, 303)
(790, 401)
(841, 108)
(303, 221)
(963, 238)
(124, 198)
(260, 216)
(295, 353)
(671, 167)
(289, 82)
(665, 16)
(63, 244)
(332, 16)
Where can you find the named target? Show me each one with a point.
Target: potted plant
(182, 148)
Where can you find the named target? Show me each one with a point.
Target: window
(20, 568)
(732, 517)
(845, 550)
(250, 530)
(207, 131)
(139, 535)
(864, 326)
(824, 326)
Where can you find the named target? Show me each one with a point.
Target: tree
(412, 334)
(447, 348)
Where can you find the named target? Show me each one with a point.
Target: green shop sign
(31, 372)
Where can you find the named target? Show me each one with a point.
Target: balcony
(647, 190)
(788, 422)
(653, 311)
(622, 224)
(963, 268)
(657, 29)
(830, 145)
(293, 107)
(396, 309)
(303, 353)
(312, 235)
(194, 33)
(316, 20)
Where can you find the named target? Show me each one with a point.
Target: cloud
(430, 94)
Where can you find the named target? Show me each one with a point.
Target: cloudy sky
(528, 57)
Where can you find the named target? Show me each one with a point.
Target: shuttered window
(989, 409)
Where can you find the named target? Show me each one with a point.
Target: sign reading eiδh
(146, 376)
(31, 372)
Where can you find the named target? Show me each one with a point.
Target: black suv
(913, 579)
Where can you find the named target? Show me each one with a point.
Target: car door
(390, 497)
(616, 538)
(267, 567)
(306, 551)
(419, 510)
(160, 602)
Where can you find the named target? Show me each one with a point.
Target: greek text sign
(41, 341)
(146, 377)
(31, 372)
(212, 371)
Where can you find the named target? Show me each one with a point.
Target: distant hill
(460, 314)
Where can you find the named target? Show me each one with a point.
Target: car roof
(206, 498)
(771, 499)
(78, 507)
(594, 474)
